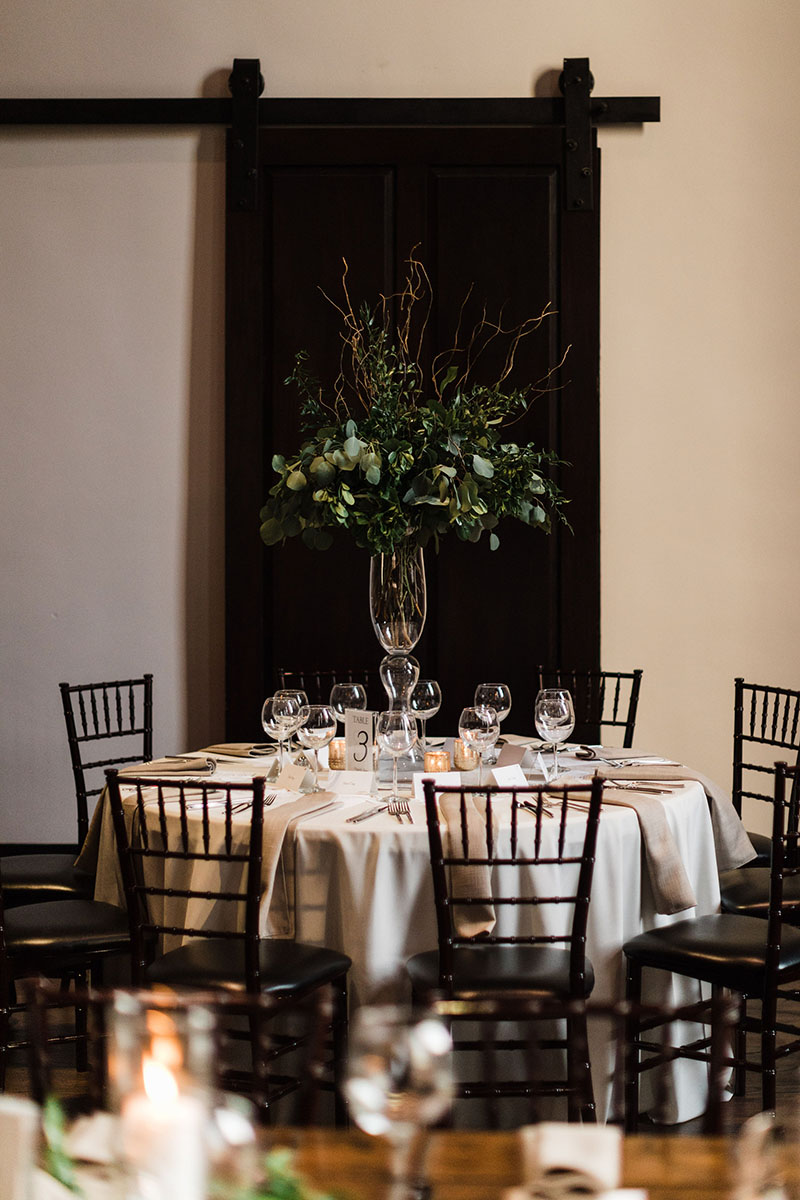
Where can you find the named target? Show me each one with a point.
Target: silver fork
(269, 799)
(399, 808)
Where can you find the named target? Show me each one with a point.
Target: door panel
(482, 206)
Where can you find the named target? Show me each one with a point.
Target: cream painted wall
(111, 245)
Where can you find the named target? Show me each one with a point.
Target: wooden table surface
(477, 1165)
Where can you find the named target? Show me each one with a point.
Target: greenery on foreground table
(279, 1182)
(392, 453)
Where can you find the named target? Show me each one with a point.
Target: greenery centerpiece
(396, 454)
(403, 450)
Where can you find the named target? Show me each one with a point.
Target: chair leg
(740, 1071)
(580, 1103)
(769, 1038)
(5, 1033)
(633, 994)
(81, 1028)
(340, 1112)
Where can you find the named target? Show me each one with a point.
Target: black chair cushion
(763, 848)
(285, 966)
(487, 968)
(62, 928)
(35, 878)
(721, 948)
(746, 892)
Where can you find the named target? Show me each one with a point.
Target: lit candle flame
(160, 1084)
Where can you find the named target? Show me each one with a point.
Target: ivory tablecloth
(365, 889)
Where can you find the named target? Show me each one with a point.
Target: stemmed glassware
(479, 728)
(396, 731)
(496, 696)
(347, 695)
(300, 698)
(280, 716)
(554, 716)
(425, 701)
(399, 1082)
(317, 727)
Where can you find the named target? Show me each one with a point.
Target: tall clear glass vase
(398, 603)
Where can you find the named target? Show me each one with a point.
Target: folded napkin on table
(277, 912)
(672, 891)
(733, 846)
(176, 764)
(560, 1159)
(469, 880)
(241, 749)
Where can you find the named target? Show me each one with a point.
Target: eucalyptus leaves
(392, 455)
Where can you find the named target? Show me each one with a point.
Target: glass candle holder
(437, 761)
(160, 1070)
(337, 754)
(464, 757)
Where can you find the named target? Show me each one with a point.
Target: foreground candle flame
(160, 1084)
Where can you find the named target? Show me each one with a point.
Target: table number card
(359, 736)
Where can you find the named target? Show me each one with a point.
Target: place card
(509, 777)
(440, 778)
(292, 778)
(359, 736)
(352, 783)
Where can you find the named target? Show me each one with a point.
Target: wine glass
(479, 728)
(317, 727)
(347, 695)
(278, 716)
(555, 718)
(496, 696)
(300, 697)
(425, 700)
(399, 1082)
(396, 732)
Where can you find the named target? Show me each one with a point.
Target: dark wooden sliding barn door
(484, 208)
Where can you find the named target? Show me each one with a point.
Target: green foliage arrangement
(393, 455)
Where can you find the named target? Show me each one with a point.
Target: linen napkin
(672, 891)
(561, 1159)
(277, 912)
(241, 749)
(731, 843)
(186, 764)
(469, 880)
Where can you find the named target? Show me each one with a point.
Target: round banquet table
(365, 889)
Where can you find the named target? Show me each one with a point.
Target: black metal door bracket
(246, 84)
(576, 83)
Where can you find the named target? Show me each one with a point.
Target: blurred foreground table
(471, 1165)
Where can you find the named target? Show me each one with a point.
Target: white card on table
(440, 778)
(359, 736)
(510, 776)
(351, 783)
(291, 778)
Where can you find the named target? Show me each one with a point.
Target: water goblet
(479, 728)
(347, 695)
(300, 697)
(496, 696)
(399, 1082)
(396, 731)
(425, 701)
(278, 714)
(555, 718)
(317, 727)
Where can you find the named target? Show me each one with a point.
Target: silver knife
(364, 816)
(315, 812)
